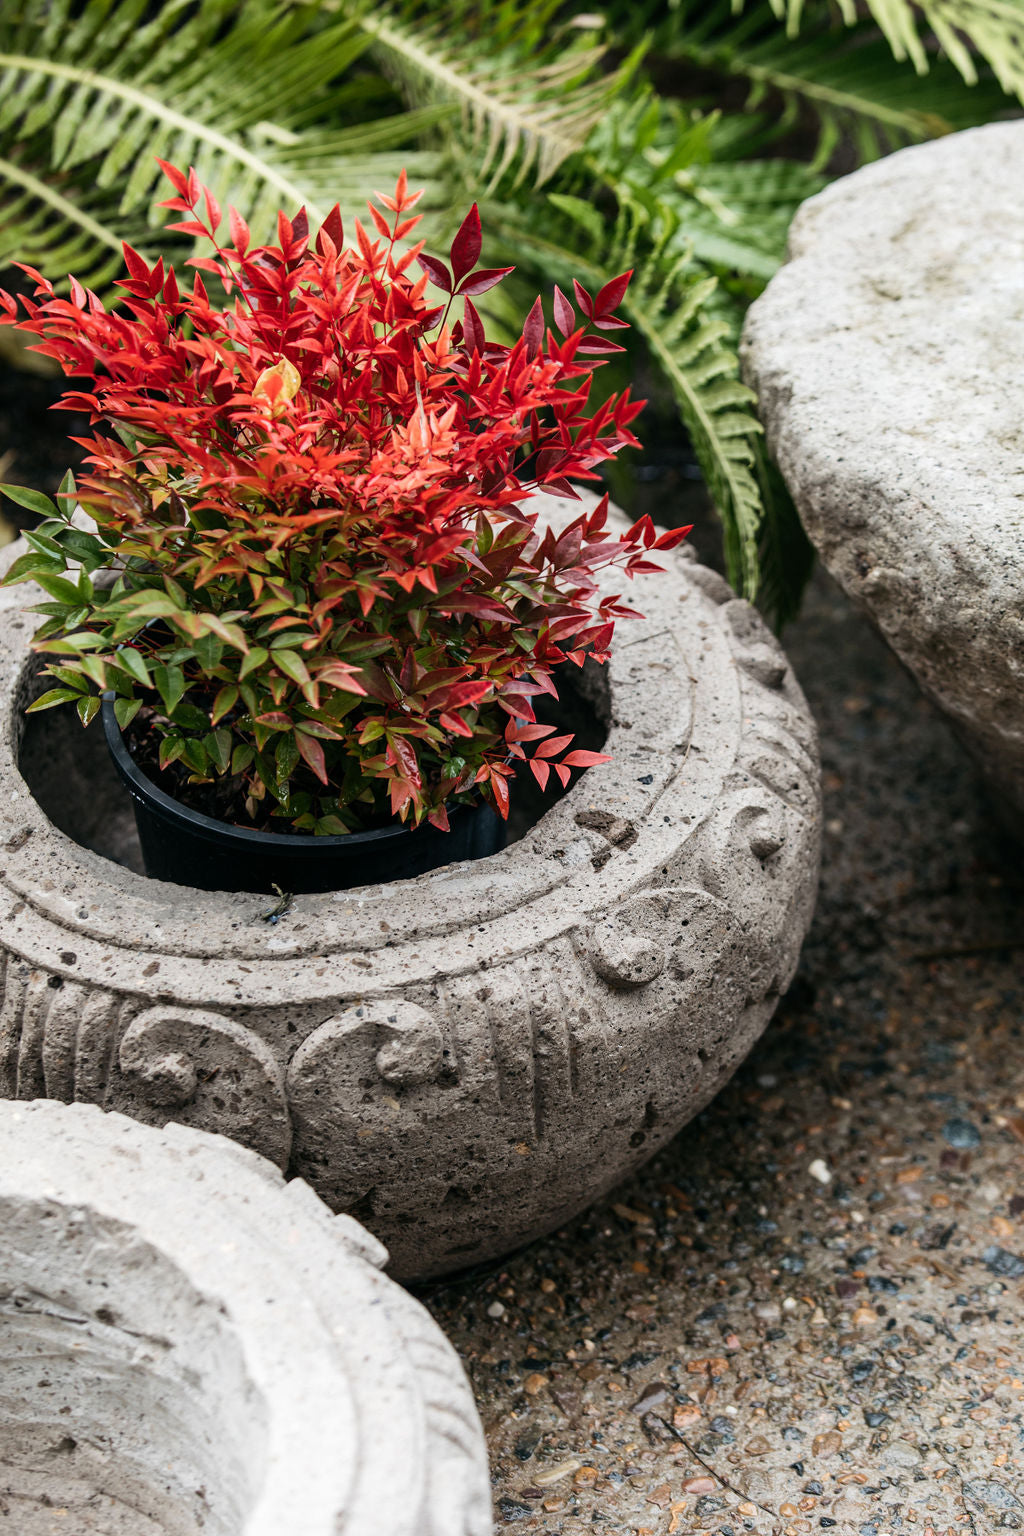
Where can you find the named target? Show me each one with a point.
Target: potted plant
(310, 599)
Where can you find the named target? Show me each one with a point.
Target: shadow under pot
(189, 848)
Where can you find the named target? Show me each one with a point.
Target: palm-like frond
(963, 29)
(529, 91)
(846, 77)
(731, 215)
(90, 96)
(669, 306)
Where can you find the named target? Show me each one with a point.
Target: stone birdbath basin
(191, 1345)
(887, 358)
(466, 1059)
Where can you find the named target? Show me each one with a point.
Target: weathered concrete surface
(189, 1345)
(887, 357)
(466, 1059)
(871, 1328)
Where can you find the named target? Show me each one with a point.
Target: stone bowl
(464, 1060)
(190, 1345)
(886, 357)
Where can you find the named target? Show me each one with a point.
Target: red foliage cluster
(331, 588)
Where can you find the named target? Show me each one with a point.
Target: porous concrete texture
(189, 1345)
(463, 1060)
(886, 356)
(729, 1344)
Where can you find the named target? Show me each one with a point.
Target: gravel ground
(808, 1311)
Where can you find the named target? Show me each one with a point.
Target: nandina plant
(310, 570)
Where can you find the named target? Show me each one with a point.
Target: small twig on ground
(283, 906)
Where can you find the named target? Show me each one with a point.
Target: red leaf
(312, 753)
(553, 747)
(437, 272)
(673, 537)
(499, 788)
(612, 294)
(465, 694)
(212, 208)
(466, 247)
(300, 228)
(541, 772)
(565, 315)
(176, 178)
(583, 759)
(383, 227)
(583, 299)
(334, 231)
(479, 282)
(533, 330)
(439, 818)
(239, 231)
(473, 330)
(593, 346)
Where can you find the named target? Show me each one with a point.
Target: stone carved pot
(466, 1059)
(191, 1345)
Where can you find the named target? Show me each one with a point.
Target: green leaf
(255, 658)
(195, 755)
(52, 697)
(286, 756)
(208, 650)
(32, 501)
(134, 663)
(218, 748)
(242, 757)
(171, 749)
(292, 665)
(226, 699)
(190, 717)
(95, 668)
(87, 709)
(170, 684)
(27, 567)
(961, 28)
(125, 711)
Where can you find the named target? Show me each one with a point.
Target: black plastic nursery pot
(189, 848)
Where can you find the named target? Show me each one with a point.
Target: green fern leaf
(669, 305)
(260, 99)
(528, 95)
(963, 29)
(846, 76)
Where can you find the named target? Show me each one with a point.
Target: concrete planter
(886, 357)
(190, 1345)
(466, 1059)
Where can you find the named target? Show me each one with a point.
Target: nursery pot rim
(141, 787)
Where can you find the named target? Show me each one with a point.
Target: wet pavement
(807, 1313)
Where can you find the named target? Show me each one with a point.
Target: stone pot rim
(556, 870)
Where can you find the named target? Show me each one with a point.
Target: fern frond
(732, 216)
(964, 30)
(56, 228)
(846, 76)
(528, 95)
(91, 95)
(669, 305)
